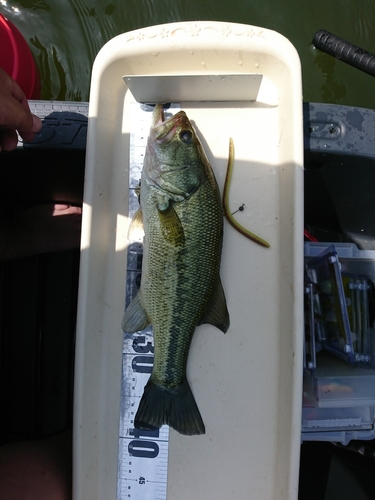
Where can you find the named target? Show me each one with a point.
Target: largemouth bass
(181, 212)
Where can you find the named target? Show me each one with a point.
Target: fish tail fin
(175, 407)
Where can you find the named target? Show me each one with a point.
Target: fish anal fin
(175, 407)
(136, 226)
(217, 312)
(171, 227)
(135, 317)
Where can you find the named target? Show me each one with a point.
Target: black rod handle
(345, 51)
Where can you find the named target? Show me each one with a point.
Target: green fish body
(181, 211)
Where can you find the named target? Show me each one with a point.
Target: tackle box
(339, 363)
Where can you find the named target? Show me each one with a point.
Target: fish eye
(186, 135)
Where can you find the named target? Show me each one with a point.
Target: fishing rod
(345, 51)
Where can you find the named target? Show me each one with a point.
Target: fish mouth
(164, 130)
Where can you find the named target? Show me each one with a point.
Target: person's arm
(15, 114)
(47, 227)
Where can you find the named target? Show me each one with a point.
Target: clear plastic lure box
(339, 375)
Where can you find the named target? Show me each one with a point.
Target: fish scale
(184, 308)
(180, 283)
(186, 264)
(143, 455)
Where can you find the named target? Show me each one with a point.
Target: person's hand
(43, 228)
(15, 114)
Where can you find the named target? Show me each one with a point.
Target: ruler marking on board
(143, 455)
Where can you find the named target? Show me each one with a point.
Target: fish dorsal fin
(135, 317)
(136, 226)
(217, 313)
(171, 226)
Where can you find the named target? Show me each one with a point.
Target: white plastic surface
(247, 383)
(185, 88)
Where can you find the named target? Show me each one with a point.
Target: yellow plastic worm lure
(227, 213)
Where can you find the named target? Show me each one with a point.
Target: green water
(66, 35)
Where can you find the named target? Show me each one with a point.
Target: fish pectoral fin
(137, 191)
(135, 317)
(171, 227)
(217, 311)
(136, 226)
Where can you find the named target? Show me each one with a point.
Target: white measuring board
(143, 455)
